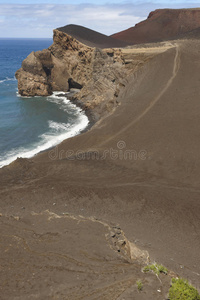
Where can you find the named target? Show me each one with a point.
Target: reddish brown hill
(91, 38)
(194, 34)
(161, 24)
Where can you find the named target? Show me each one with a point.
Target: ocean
(29, 125)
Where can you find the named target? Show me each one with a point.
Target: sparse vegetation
(156, 268)
(182, 290)
(139, 285)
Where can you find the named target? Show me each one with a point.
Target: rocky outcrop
(33, 77)
(99, 74)
(70, 64)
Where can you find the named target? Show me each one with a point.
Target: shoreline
(88, 112)
(69, 96)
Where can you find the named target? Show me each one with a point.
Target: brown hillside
(193, 34)
(161, 24)
(91, 38)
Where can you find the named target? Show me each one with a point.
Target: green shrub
(182, 290)
(157, 269)
(139, 285)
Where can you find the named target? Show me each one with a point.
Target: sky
(38, 18)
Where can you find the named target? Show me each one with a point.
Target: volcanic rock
(70, 64)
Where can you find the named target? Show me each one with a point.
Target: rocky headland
(99, 75)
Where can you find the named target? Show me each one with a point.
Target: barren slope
(139, 168)
(161, 24)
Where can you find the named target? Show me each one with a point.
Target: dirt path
(176, 66)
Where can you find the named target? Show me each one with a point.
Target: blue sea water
(31, 125)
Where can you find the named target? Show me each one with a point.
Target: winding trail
(176, 66)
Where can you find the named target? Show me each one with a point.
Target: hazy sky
(28, 18)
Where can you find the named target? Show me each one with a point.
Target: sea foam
(57, 131)
(8, 79)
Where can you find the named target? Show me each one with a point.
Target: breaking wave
(56, 133)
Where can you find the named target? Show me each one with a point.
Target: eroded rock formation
(70, 64)
(100, 75)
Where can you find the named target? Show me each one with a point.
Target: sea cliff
(98, 74)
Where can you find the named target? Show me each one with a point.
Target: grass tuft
(139, 285)
(156, 268)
